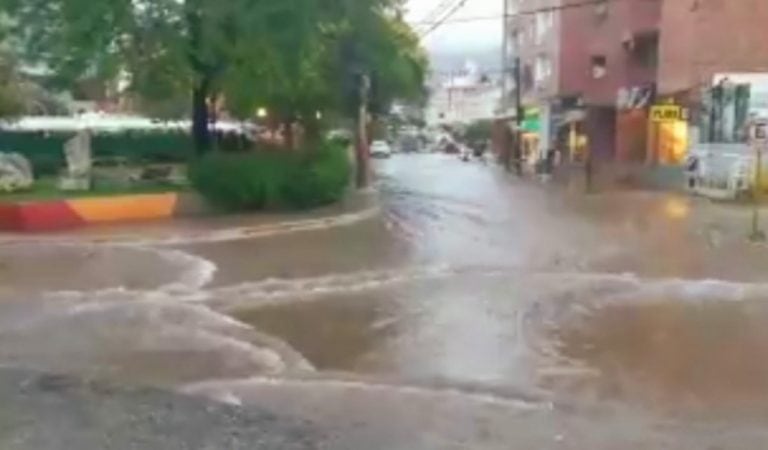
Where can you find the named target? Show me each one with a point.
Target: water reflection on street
(467, 309)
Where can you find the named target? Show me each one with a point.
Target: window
(544, 22)
(599, 66)
(601, 10)
(543, 68)
(516, 41)
(646, 51)
(725, 113)
(526, 75)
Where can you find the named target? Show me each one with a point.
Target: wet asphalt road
(463, 309)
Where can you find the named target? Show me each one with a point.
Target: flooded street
(458, 307)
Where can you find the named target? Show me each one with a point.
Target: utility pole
(519, 113)
(758, 136)
(757, 234)
(505, 67)
(362, 153)
(505, 56)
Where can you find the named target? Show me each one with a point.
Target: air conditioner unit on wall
(601, 10)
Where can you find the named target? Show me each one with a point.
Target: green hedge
(45, 150)
(272, 179)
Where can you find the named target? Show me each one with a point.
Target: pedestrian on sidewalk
(548, 166)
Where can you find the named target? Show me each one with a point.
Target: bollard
(757, 235)
(758, 138)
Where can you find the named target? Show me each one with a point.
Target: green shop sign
(531, 122)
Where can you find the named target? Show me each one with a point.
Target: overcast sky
(461, 36)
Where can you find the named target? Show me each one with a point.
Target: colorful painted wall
(73, 213)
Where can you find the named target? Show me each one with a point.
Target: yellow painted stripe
(125, 207)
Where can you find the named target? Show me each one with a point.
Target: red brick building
(608, 46)
(608, 68)
(700, 38)
(611, 61)
(582, 64)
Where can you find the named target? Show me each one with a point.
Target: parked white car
(380, 149)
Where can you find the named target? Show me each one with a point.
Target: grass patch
(47, 189)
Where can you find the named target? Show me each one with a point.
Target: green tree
(283, 55)
(167, 49)
(479, 131)
(11, 103)
(19, 95)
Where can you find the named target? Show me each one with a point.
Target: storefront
(530, 129)
(668, 135)
(570, 137)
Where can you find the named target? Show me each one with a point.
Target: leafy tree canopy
(290, 56)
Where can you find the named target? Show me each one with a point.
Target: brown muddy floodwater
(706, 358)
(468, 309)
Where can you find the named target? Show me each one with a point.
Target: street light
(261, 113)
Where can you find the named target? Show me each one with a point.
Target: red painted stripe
(10, 218)
(48, 216)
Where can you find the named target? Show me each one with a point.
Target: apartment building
(463, 97)
(588, 72)
(532, 47)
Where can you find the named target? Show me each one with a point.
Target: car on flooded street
(381, 150)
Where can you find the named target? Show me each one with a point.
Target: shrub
(272, 179)
(320, 179)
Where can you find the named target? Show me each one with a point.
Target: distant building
(462, 98)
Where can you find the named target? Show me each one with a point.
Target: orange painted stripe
(126, 207)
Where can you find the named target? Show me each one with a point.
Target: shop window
(724, 116)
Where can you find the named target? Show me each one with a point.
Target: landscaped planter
(48, 215)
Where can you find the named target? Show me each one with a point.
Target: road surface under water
(467, 309)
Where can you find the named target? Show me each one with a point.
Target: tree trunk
(312, 136)
(288, 136)
(362, 147)
(201, 133)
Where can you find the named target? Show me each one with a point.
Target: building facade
(714, 65)
(609, 67)
(701, 38)
(591, 73)
(532, 46)
(462, 98)
(588, 70)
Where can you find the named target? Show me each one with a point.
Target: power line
(436, 12)
(529, 12)
(461, 19)
(447, 16)
(448, 10)
(432, 16)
